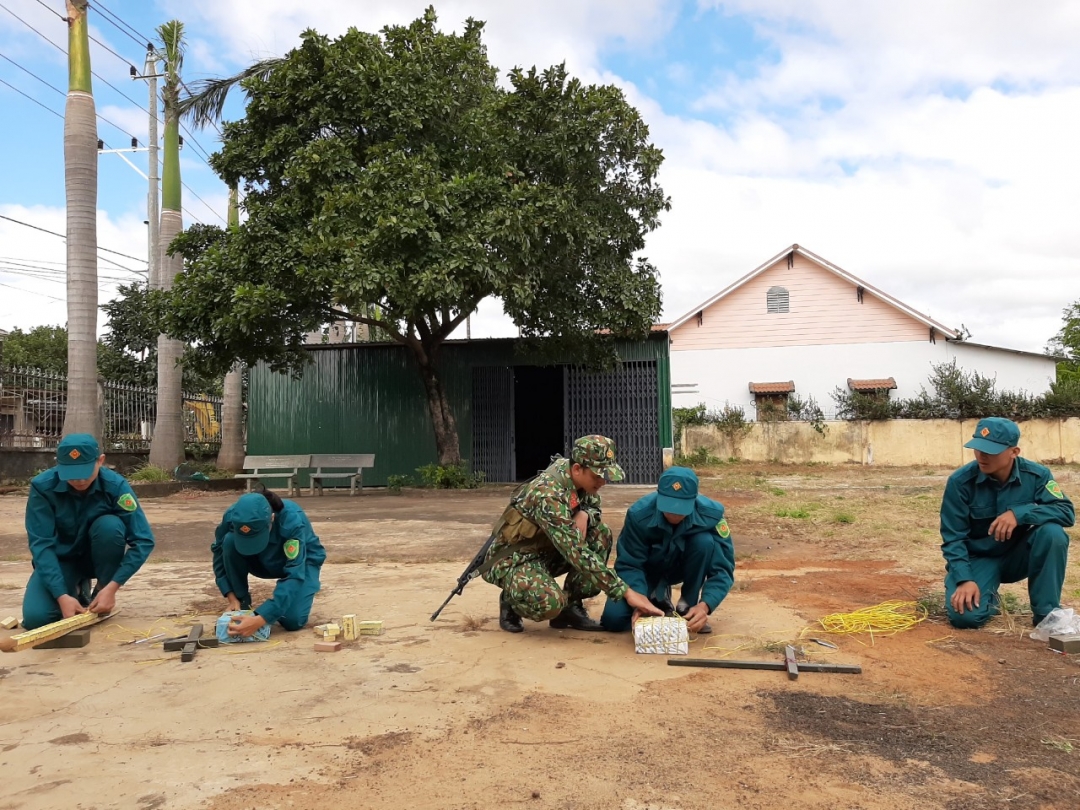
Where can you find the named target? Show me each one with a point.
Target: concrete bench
(287, 467)
(353, 465)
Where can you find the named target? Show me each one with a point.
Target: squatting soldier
(270, 538)
(84, 524)
(1003, 519)
(553, 526)
(672, 536)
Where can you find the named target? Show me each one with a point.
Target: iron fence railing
(33, 404)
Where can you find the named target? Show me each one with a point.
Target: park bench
(287, 467)
(346, 465)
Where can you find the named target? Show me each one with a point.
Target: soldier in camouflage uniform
(553, 526)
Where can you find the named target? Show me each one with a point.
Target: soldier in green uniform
(270, 538)
(672, 536)
(554, 526)
(1003, 519)
(84, 524)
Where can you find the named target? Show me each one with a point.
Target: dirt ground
(457, 714)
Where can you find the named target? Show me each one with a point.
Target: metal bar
(720, 663)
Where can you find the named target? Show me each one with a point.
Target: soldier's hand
(233, 602)
(69, 606)
(105, 600)
(581, 522)
(965, 597)
(245, 626)
(1002, 527)
(696, 617)
(641, 604)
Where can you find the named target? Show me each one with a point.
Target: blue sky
(925, 147)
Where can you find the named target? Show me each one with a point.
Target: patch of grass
(1010, 603)
(745, 556)
(1059, 743)
(843, 517)
(150, 474)
(471, 623)
(933, 602)
(777, 492)
(799, 512)
(742, 584)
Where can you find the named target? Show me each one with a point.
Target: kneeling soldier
(674, 536)
(270, 538)
(553, 526)
(84, 524)
(1003, 519)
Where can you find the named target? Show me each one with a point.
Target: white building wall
(722, 376)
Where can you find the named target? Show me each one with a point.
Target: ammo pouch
(518, 532)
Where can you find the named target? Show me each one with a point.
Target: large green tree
(1066, 343)
(391, 173)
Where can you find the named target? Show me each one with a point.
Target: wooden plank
(68, 641)
(723, 663)
(191, 643)
(32, 638)
(178, 644)
(789, 662)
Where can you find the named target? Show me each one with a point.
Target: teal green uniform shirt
(648, 541)
(58, 520)
(275, 562)
(973, 500)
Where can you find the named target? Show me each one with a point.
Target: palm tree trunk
(167, 446)
(83, 414)
(231, 455)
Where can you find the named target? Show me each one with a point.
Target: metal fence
(33, 404)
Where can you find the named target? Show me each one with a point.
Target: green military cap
(677, 491)
(994, 435)
(251, 518)
(76, 456)
(597, 453)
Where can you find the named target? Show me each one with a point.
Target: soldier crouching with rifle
(552, 527)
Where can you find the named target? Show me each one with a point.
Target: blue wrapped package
(222, 628)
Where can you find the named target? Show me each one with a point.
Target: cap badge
(245, 530)
(984, 432)
(74, 454)
(676, 486)
(610, 454)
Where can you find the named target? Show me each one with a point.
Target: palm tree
(83, 413)
(167, 446)
(231, 455)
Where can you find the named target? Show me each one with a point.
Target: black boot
(508, 619)
(661, 599)
(576, 617)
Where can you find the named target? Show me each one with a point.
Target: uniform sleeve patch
(722, 529)
(292, 549)
(1054, 488)
(128, 503)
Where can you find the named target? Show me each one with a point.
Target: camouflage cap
(597, 453)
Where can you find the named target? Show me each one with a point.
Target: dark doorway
(538, 417)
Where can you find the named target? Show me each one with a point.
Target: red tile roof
(772, 388)
(883, 383)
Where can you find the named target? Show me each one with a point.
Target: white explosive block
(661, 635)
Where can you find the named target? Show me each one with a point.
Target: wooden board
(32, 638)
(68, 641)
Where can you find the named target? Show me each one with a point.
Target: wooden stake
(31, 638)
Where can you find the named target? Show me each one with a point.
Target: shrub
(451, 476)
(150, 474)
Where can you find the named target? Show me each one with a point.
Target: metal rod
(777, 666)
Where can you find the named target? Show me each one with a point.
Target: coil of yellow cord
(884, 619)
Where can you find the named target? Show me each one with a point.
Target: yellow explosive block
(348, 626)
(10, 623)
(369, 628)
(31, 638)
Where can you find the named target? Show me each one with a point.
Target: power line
(49, 8)
(110, 50)
(62, 236)
(145, 39)
(58, 90)
(21, 93)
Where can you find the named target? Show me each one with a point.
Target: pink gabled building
(800, 325)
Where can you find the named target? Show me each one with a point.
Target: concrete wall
(21, 464)
(722, 376)
(898, 443)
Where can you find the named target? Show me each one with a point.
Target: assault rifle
(471, 572)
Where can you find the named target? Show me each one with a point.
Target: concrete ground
(457, 714)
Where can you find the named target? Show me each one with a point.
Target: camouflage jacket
(550, 501)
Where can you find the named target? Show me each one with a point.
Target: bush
(701, 457)
(452, 476)
(150, 474)
(959, 394)
(394, 483)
